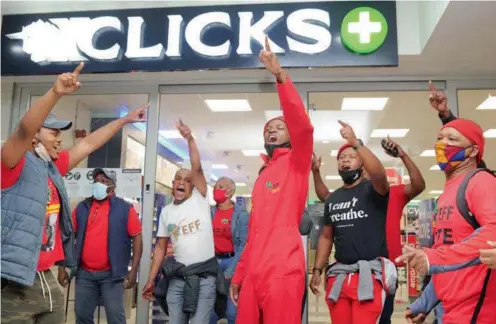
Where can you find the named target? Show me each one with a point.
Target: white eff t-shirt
(189, 227)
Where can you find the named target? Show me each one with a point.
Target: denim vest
(23, 214)
(239, 229)
(119, 242)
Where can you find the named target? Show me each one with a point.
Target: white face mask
(42, 153)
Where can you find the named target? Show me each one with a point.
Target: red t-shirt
(397, 201)
(456, 243)
(51, 244)
(94, 256)
(222, 231)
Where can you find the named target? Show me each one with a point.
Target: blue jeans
(204, 309)
(93, 287)
(231, 309)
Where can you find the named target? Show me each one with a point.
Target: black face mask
(269, 148)
(350, 176)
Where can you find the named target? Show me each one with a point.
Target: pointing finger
(491, 243)
(267, 45)
(79, 68)
(405, 257)
(342, 123)
(432, 87)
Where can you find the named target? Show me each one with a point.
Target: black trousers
(387, 310)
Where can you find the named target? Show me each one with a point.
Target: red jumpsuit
(271, 270)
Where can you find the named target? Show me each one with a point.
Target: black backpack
(464, 210)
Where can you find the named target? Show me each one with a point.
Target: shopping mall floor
(318, 313)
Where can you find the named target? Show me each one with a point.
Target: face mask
(220, 195)
(449, 157)
(269, 148)
(42, 152)
(350, 176)
(99, 191)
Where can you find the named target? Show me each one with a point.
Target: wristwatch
(360, 144)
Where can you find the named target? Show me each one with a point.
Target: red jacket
(457, 246)
(274, 245)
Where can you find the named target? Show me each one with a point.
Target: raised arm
(199, 180)
(320, 187)
(417, 182)
(439, 101)
(98, 138)
(371, 163)
(20, 141)
(295, 115)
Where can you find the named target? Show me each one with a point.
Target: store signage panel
(319, 34)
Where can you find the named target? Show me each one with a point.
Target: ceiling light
(435, 167)
(436, 192)
(219, 166)
(384, 132)
(429, 153)
(490, 133)
(406, 177)
(415, 201)
(334, 153)
(240, 184)
(325, 142)
(364, 103)
(252, 152)
(171, 134)
(214, 177)
(246, 196)
(489, 103)
(228, 105)
(333, 177)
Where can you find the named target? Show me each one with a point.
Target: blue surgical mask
(99, 191)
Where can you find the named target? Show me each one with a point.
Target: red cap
(342, 148)
(267, 123)
(472, 131)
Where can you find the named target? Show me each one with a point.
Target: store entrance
(227, 122)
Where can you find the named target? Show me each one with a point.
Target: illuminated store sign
(302, 34)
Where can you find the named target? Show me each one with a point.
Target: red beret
(342, 148)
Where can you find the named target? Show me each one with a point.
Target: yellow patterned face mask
(449, 156)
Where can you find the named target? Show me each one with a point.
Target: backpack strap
(461, 200)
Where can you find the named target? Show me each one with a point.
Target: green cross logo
(364, 30)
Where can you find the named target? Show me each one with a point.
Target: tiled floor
(317, 310)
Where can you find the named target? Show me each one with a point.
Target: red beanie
(267, 123)
(342, 148)
(472, 131)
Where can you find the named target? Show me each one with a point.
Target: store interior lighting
(219, 167)
(240, 184)
(228, 105)
(488, 104)
(393, 133)
(428, 153)
(334, 152)
(252, 152)
(490, 133)
(435, 167)
(436, 192)
(333, 177)
(373, 104)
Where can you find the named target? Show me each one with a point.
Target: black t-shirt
(358, 218)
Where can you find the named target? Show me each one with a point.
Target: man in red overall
(269, 281)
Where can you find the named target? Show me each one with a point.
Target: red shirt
(456, 243)
(51, 244)
(222, 230)
(94, 256)
(279, 198)
(397, 202)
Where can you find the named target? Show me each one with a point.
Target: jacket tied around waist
(381, 269)
(191, 275)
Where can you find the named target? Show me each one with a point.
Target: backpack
(464, 210)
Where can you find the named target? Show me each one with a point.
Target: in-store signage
(320, 34)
